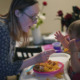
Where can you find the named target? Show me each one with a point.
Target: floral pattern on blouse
(7, 68)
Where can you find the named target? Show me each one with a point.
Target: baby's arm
(62, 39)
(74, 56)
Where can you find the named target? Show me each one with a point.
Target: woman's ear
(17, 13)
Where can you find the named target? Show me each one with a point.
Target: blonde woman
(14, 26)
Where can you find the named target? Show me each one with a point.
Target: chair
(25, 53)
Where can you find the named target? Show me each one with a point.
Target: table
(47, 39)
(62, 57)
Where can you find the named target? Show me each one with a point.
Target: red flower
(60, 13)
(44, 3)
(68, 16)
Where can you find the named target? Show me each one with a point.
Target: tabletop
(61, 57)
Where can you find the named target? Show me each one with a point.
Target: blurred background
(51, 23)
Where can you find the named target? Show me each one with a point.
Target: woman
(14, 26)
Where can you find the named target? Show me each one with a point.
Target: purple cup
(57, 47)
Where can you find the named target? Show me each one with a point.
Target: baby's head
(74, 30)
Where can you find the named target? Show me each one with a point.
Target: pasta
(47, 66)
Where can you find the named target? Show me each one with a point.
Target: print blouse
(7, 67)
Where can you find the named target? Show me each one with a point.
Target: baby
(72, 42)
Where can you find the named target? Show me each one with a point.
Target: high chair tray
(61, 57)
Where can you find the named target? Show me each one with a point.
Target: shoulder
(4, 32)
(3, 27)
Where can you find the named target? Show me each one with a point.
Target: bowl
(52, 73)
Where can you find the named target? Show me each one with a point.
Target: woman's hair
(75, 28)
(15, 29)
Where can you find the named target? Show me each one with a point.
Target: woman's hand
(43, 56)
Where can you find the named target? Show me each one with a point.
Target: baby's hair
(74, 28)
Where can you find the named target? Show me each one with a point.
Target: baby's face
(73, 36)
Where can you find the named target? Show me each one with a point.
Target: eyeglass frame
(31, 17)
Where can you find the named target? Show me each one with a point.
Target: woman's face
(28, 17)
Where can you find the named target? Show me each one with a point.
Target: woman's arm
(41, 57)
(27, 62)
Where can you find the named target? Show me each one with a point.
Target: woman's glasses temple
(32, 18)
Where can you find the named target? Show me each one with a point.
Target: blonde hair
(74, 28)
(14, 27)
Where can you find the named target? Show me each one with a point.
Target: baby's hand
(72, 46)
(63, 39)
(59, 36)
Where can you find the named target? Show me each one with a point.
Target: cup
(57, 46)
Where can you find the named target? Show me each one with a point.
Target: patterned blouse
(7, 67)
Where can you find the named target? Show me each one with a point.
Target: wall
(4, 6)
(51, 24)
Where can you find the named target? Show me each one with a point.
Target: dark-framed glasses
(33, 18)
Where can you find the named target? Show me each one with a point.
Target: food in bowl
(47, 66)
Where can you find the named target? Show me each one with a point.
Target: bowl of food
(49, 68)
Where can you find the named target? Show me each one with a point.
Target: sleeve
(6, 67)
